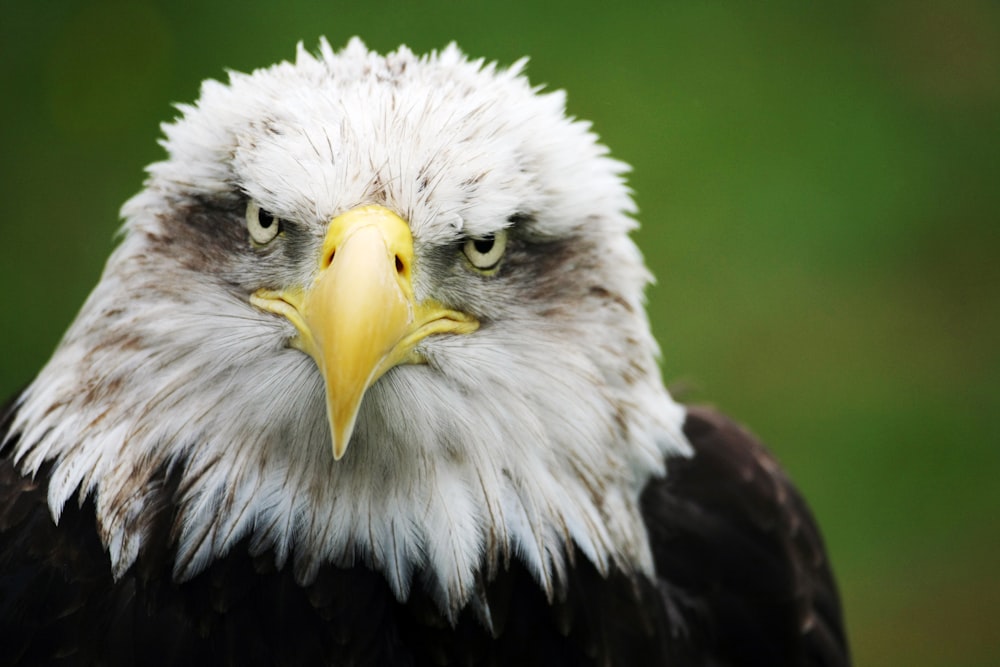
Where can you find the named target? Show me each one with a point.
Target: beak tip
(341, 439)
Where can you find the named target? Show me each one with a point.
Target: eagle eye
(261, 224)
(485, 252)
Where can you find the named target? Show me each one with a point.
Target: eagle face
(378, 309)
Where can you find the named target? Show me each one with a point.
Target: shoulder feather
(740, 559)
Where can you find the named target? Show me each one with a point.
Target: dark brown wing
(741, 562)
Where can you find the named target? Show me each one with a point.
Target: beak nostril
(400, 265)
(329, 259)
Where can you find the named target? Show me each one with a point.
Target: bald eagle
(369, 381)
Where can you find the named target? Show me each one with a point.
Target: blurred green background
(820, 192)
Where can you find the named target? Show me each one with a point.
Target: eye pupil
(264, 219)
(483, 245)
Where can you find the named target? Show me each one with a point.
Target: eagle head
(376, 309)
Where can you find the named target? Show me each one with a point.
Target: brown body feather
(742, 579)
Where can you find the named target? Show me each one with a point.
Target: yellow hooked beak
(359, 317)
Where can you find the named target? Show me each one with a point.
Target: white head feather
(533, 434)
